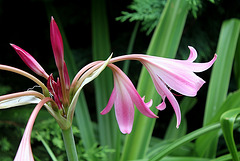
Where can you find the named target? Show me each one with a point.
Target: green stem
(70, 144)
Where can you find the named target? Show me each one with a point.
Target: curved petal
(143, 107)
(140, 104)
(30, 61)
(124, 110)
(163, 91)
(88, 79)
(176, 76)
(110, 102)
(24, 150)
(148, 104)
(172, 100)
(192, 55)
(199, 67)
(162, 105)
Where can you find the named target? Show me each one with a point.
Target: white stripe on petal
(19, 101)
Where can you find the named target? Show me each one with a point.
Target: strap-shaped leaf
(164, 43)
(227, 121)
(206, 146)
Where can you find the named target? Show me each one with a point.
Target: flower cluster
(59, 96)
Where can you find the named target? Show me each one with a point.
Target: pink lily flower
(177, 75)
(124, 96)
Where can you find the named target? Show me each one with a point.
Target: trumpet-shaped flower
(177, 75)
(124, 96)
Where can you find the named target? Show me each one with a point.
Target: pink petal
(176, 75)
(199, 67)
(136, 98)
(163, 91)
(184, 82)
(192, 55)
(24, 150)
(57, 44)
(148, 104)
(124, 110)
(30, 61)
(162, 105)
(172, 100)
(110, 102)
(140, 104)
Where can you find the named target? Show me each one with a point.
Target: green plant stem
(70, 144)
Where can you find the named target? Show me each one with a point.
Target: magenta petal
(57, 44)
(110, 102)
(140, 104)
(30, 61)
(124, 111)
(124, 96)
(136, 98)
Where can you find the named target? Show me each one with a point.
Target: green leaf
(164, 43)
(109, 133)
(219, 83)
(184, 159)
(46, 147)
(172, 132)
(237, 63)
(227, 122)
(226, 157)
(179, 142)
(221, 72)
(231, 102)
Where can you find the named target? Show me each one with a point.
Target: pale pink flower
(177, 75)
(124, 96)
